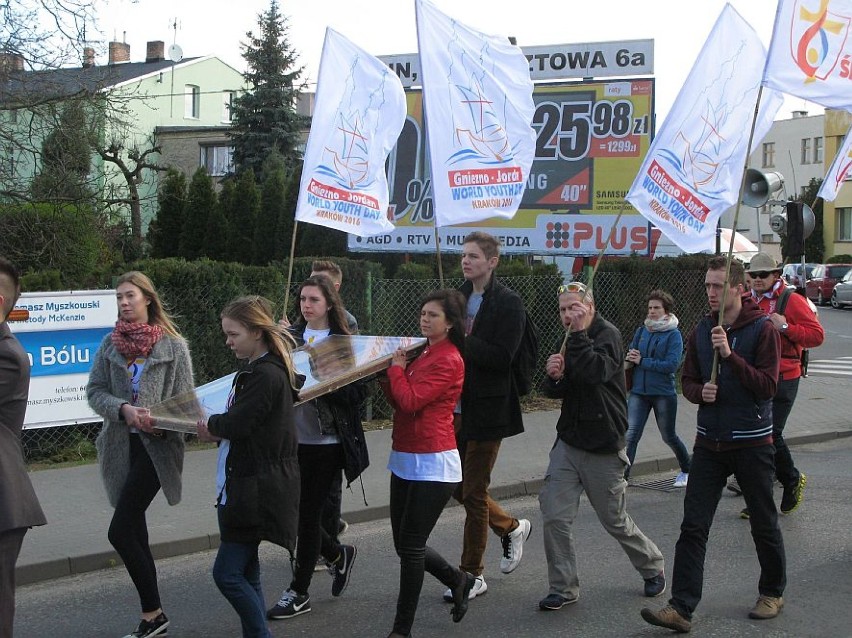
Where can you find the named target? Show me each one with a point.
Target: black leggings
(318, 465)
(415, 507)
(128, 530)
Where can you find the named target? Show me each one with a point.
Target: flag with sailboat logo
(693, 170)
(359, 113)
(479, 107)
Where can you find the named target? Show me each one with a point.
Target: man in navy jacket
(734, 436)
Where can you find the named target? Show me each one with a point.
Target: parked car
(792, 274)
(842, 294)
(821, 283)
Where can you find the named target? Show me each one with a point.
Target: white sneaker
(513, 546)
(682, 479)
(479, 588)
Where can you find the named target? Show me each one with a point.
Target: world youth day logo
(818, 39)
(346, 157)
(484, 164)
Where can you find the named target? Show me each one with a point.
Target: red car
(823, 278)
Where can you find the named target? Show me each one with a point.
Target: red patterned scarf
(135, 339)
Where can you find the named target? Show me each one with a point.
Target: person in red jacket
(799, 328)
(424, 462)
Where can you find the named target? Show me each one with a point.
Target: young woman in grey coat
(143, 361)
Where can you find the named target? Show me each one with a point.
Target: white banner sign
(810, 55)
(479, 109)
(693, 171)
(61, 336)
(558, 61)
(359, 112)
(553, 235)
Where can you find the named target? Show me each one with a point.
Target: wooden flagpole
(715, 368)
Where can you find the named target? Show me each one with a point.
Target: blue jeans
(236, 573)
(665, 412)
(754, 468)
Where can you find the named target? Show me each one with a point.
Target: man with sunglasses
(799, 328)
(731, 372)
(590, 451)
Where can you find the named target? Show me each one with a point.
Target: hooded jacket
(747, 380)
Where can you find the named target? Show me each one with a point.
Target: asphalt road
(819, 557)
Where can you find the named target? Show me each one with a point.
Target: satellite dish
(175, 53)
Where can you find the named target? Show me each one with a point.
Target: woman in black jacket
(258, 471)
(331, 438)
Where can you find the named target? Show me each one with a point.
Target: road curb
(76, 565)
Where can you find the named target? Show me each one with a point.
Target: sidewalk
(78, 514)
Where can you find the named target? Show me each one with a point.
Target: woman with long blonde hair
(257, 481)
(143, 361)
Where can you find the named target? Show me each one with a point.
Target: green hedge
(196, 292)
(64, 239)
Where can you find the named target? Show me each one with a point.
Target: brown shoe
(766, 607)
(667, 617)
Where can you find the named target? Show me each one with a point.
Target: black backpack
(526, 358)
(779, 308)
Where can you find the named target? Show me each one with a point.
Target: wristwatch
(783, 327)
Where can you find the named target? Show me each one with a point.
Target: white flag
(479, 108)
(693, 170)
(360, 110)
(838, 170)
(811, 49)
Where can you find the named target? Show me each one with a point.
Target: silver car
(842, 293)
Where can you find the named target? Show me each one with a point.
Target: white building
(793, 148)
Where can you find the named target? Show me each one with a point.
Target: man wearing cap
(799, 328)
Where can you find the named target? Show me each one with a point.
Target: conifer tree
(272, 202)
(66, 158)
(265, 118)
(166, 228)
(245, 204)
(200, 201)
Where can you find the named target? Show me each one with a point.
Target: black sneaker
(552, 602)
(150, 628)
(341, 569)
(290, 605)
(793, 496)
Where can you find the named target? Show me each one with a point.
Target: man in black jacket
(490, 406)
(589, 454)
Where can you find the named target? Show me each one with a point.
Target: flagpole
(715, 368)
(290, 266)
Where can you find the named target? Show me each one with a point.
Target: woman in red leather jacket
(424, 462)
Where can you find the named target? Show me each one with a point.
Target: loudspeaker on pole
(759, 186)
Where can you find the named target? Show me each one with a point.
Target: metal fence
(391, 307)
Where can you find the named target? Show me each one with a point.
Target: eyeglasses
(574, 286)
(763, 274)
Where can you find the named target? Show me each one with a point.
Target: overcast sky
(382, 27)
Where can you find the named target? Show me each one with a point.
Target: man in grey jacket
(19, 507)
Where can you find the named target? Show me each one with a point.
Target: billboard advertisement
(60, 337)
(591, 139)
